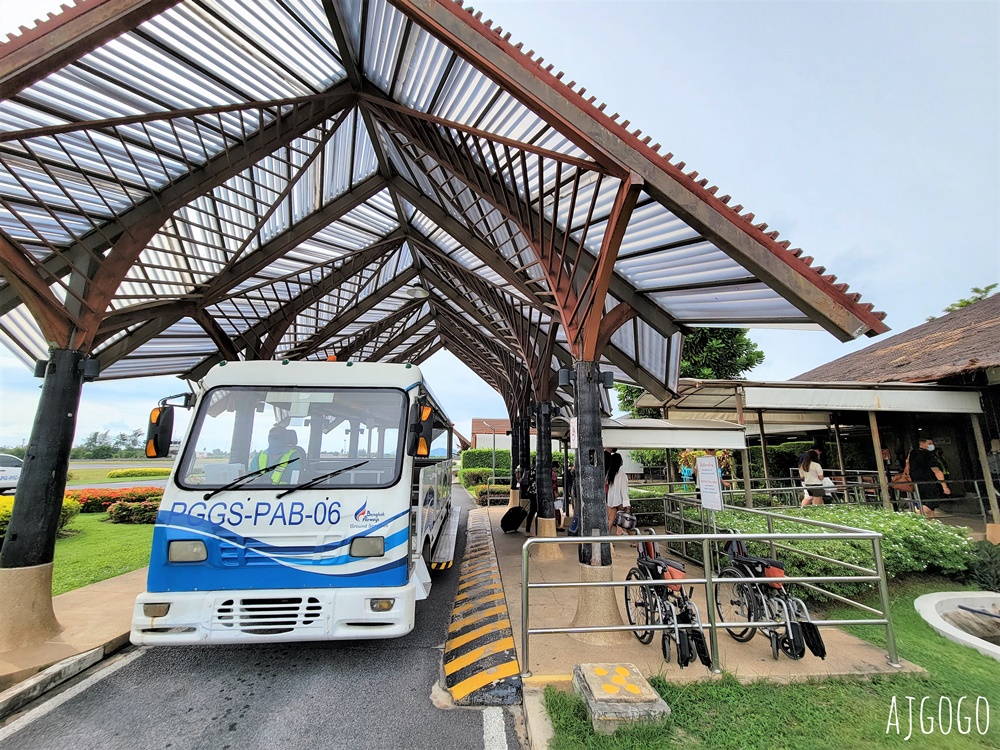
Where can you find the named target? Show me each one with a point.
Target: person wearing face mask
(926, 473)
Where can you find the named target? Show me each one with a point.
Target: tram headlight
(187, 550)
(156, 610)
(368, 546)
(381, 605)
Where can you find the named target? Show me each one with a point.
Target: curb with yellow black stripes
(480, 664)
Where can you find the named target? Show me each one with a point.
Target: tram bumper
(272, 615)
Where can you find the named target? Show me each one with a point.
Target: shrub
(483, 493)
(70, 510)
(144, 512)
(472, 477)
(98, 500)
(152, 471)
(910, 544)
(6, 506)
(984, 565)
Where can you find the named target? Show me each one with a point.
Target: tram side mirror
(421, 432)
(161, 425)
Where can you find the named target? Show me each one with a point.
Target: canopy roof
(185, 182)
(794, 406)
(633, 434)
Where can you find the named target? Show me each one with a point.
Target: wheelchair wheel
(792, 644)
(736, 602)
(638, 607)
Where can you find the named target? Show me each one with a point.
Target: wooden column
(883, 481)
(763, 450)
(744, 454)
(991, 492)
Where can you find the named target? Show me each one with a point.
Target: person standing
(811, 474)
(617, 481)
(928, 476)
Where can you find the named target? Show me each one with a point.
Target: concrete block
(616, 695)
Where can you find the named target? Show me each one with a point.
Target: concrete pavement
(553, 656)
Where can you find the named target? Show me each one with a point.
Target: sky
(866, 133)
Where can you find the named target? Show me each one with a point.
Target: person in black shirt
(926, 473)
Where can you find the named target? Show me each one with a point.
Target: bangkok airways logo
(361, 512)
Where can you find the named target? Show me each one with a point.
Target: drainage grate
(268, 616)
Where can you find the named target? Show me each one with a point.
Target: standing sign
(710, 483)
(574, 439)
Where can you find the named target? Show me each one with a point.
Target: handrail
(708, 541)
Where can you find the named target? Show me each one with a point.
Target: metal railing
(710, 544)
(786, 492)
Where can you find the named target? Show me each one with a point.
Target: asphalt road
(357, 695)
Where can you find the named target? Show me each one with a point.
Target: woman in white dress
(617, 483)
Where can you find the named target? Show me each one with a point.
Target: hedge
(910, 544)
(482, 458)
(70, 510)
(144, 512)
(99, 499)
(471, 477)
(151, 471)
(483, 493)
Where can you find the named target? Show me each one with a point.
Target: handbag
(902, 482)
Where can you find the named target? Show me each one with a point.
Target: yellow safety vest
(276, 475)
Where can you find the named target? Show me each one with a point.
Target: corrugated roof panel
(337, 175)
(56, 227)
(383, 32)
(424, 64)
(652, 351)
(365, 160)
(511, 119)
(286, 35)
(624, 339)
(61, 189)
(465, 94)
(131, 367)
(700, 263)
(651, 225)
(746, 301)
(132, 62)
(351, 19)
(254, 70)
(18, 326)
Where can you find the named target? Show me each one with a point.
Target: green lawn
(98, 550)
(821, 715)
(88, 477)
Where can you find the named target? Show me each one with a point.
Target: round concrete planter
(934, 607)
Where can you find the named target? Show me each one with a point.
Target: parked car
(10, 472)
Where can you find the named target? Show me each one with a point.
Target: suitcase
(513, 518)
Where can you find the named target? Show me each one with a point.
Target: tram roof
(248, 177)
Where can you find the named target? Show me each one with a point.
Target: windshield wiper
(239, 481)
(320, 478)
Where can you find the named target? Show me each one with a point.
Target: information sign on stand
(710, 483)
